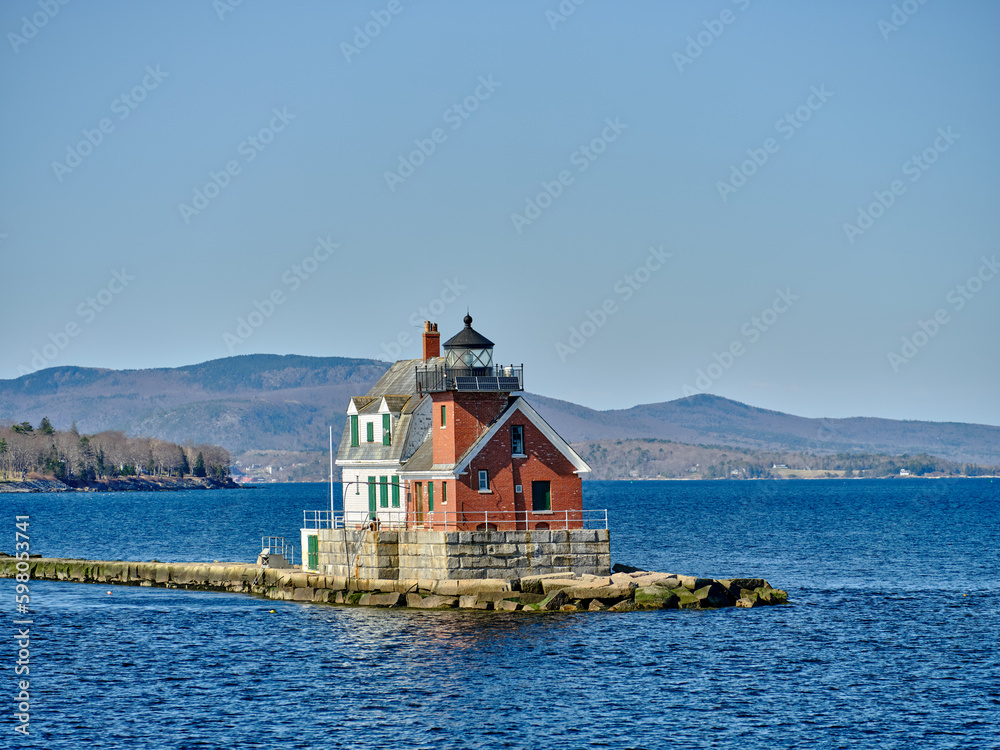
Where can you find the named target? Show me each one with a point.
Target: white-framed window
(484, 481)
(517, 439)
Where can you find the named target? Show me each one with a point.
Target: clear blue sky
(429, 152)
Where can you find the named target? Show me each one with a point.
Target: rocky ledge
(638, 590)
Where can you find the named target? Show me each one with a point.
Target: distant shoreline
(684, 479)
(176, 484)
(788, 478)
(120, 484)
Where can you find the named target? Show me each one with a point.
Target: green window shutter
(386, 436)
(395, 492)
(430, 496)
(355, 441)
(444, 412)
(371, 432)
(372, 509)
(383, 491)
(313, 562)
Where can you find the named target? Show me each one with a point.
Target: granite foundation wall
(420, 554)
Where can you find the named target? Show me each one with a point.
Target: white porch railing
(277, 545)
(445, 520)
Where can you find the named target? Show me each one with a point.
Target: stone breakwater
(553, 592)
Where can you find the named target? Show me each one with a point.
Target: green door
(541, 496)
(313, 563)
(372, 502)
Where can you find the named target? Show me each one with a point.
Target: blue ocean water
(890, 640)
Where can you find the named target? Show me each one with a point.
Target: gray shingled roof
(400, 378)
(422, 458)
(399, 386)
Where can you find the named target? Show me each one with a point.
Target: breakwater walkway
(565, 592)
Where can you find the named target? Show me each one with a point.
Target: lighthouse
(448, 442)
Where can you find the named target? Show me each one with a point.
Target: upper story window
(484, 481)
(355, 441)
(386, 432)
(444, 414)
(517, 439)
(370, 427)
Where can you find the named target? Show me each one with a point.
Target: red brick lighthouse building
(458, 448)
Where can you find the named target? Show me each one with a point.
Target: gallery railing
(447, 520)
(506, 378)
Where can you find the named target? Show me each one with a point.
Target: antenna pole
(331, 476)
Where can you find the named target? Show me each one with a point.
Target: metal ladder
(362, 531)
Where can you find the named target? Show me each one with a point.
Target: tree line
(849, 465)
(72, 457)
(651, 457)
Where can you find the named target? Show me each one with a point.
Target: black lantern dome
(468, 366)
(468, 349)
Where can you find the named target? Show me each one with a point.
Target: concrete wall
(420, 554)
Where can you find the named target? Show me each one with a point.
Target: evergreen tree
(199, 466)
(184, 467)
(46, 427)
(54, 464)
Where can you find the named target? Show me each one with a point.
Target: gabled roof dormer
(358, 404)
(391, 404)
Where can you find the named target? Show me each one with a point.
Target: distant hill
(240, 403)
(273, 402)
(712, 420)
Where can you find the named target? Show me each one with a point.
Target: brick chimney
(432, 340)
